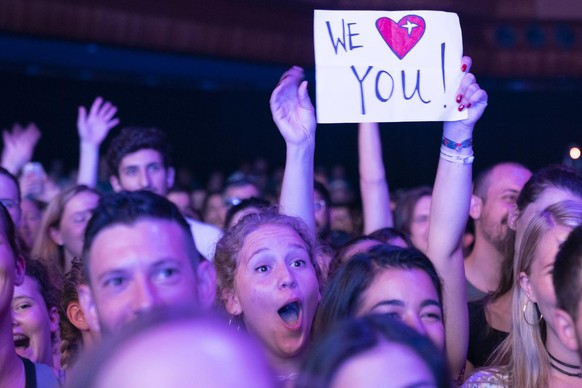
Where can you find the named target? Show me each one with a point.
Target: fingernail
(461, 107)
(463, 68)
(459, 98)
(468, 105)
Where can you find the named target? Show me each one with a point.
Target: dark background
(176, 66)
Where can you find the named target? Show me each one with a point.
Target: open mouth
(21, 341)
(290, 313)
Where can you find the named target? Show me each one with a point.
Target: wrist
(457, 131)
(89, 146)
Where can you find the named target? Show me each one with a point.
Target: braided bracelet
(448, 143)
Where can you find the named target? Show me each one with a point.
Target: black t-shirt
(483, 339)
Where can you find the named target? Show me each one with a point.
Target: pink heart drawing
(401, 37)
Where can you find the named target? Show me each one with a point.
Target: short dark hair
(356, 336)
(345, 290)
(483, 180)
(127, 208)
(239, 179)
(133, 139)
(567, 275)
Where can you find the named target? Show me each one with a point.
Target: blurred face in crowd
(419, 223)
(505, 183)
(10, 198)
(29, 221)
(276, 289)
(182, 201)
(213, 210)
(205, 350)
(76, 213)
(387, 363)
(408, 295)
(143, 170)
(136, 268)
(341, 219)
(34, 324)
(321, 209)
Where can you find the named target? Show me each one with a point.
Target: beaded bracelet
(448, 143)
(459, 159)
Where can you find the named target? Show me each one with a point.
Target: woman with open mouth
(268, 279)
(268, 283)
(35, 317)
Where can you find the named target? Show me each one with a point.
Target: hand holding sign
(387, 66)
(471, 99)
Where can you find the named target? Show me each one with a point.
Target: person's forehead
(147, 240)
(141, 157)
(508, 176)
(29, 288)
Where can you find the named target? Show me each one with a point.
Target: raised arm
(294, 115)
(93, 127)
(19, 144)
(449, 213)
(373, 183)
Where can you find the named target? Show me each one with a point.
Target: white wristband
(459, 159)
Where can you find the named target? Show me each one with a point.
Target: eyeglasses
(318, 205)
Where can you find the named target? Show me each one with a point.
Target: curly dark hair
(71, 336)
(133, 139)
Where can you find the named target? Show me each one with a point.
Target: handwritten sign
(374, 66)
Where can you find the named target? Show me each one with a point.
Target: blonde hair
(44, 248)
(522, 357)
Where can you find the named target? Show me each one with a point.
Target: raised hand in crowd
(93, 127)
(294, 115)
(19, 144)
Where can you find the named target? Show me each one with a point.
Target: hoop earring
(234, 320)
(525, 315)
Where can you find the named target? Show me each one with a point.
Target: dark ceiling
(525, 38)
(203, 71)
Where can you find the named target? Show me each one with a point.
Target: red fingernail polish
(468, 105)
(461, 107)
(463, 68)
(459, 98)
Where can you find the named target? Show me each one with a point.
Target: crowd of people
(260, 282)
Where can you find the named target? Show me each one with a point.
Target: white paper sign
(375, 66)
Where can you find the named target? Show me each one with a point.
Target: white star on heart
(409, 26)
